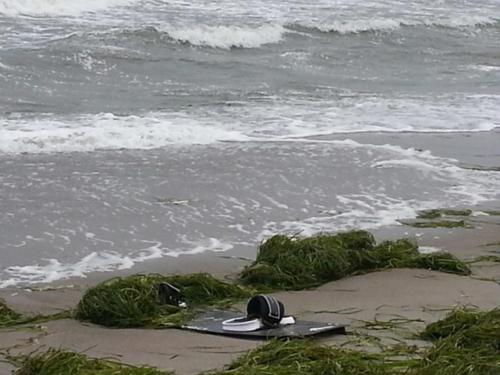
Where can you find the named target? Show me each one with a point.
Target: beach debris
(438, 224)
(286, 263)
(134, 301)
(440, 218)
(59, 362)
(173, 201)
(437, 213)
(9, 317)
(304, 357)
(467, 341)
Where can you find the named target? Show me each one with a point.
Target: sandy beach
(414, 294)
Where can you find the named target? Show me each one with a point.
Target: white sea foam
(359, 25)
(108, 132)
(57, 7)
(429, 249)
(459, 21)
(357, 211)
(226, 36)
(279, 120)
(486, 68)
(209, 244)
(94, 262)
(356, 25)
(54, 270)
(371, 210)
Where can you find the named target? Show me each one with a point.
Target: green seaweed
(299, 263)
(134, 301)
(485, 258)
(491, 244)
(467, 341)
(449, 355)
(437, 213)
(438, 224)
(60, 362)
(9, 317)
(468, 327)
(307, 358)
(446, 358)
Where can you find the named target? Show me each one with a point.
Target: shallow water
(138, 129)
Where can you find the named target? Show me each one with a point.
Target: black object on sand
(211, 322)
(265, 319)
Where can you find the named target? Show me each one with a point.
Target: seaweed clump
(134, 301)
(307, 358)
(60, 362)
(298, 263)
(439, 224)
(468, 327)
(9, 317)
(466, 342)
(437, 213)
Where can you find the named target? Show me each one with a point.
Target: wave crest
(226, 37)
(357, 26)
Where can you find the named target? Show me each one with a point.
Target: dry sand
(409, 293)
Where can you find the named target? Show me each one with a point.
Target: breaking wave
(227, 37)
(356, 26)
(57, 7)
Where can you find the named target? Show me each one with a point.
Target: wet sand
(413, 294)
(409, 293)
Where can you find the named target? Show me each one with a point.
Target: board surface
(211, 322)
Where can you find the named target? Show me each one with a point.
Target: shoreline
(411, 293)
(414, 294)
(128, 207)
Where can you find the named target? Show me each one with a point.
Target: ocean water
(137, 129)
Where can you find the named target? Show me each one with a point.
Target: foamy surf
(369, 210)
(57, 7)
(362, 25)
(104, 261)
(226, 37)
(109, 132)
(278, 120)
(266, 85)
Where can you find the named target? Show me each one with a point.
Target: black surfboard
(211, 322)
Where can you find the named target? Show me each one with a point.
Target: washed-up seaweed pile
(9, 317)
(305, 357)
(465, 342)
(134, 301)
(60, 362)
(441, 218)
(298, 263)
(283, 263)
